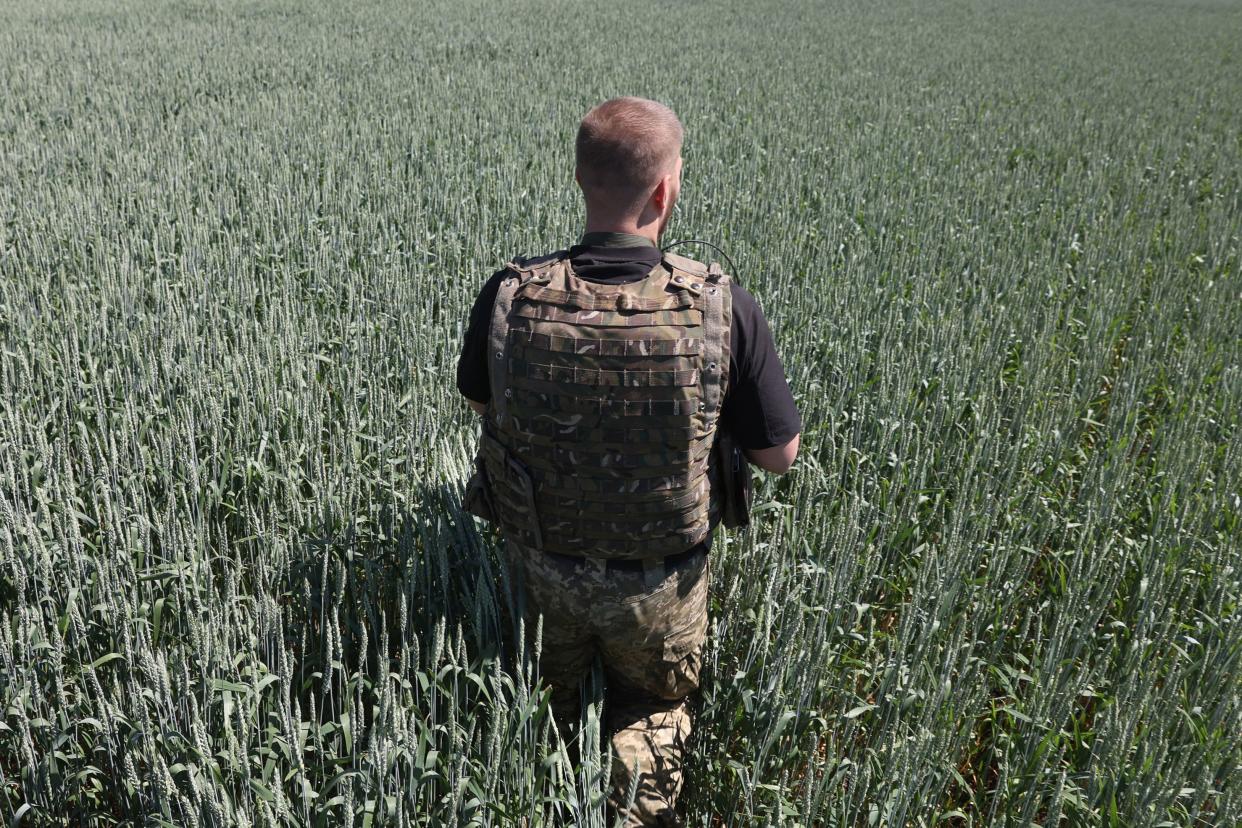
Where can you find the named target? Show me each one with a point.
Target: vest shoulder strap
(535, 268)
(523, 269)
(717, 325)
(686, 265)
(694, 273)
(497, 344)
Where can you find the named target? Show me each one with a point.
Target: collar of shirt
(607, 238)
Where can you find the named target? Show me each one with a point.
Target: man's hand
(776, 459)
(477, 406)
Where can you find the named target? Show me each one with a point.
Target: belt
(619, 565)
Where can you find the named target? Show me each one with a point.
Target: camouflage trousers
(648, 627)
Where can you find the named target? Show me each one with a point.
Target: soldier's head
(628, 156)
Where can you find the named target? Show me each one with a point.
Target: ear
(659, 197)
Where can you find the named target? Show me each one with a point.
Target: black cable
(732, 269)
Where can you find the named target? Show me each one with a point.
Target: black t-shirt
(758, 408)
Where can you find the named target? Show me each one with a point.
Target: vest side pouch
(503, 484)
(477, 499)
(736, 482)
(520, 477)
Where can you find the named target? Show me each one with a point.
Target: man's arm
(759, 409)
(776, 459)
(472, 377)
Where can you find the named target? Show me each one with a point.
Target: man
(603, 373)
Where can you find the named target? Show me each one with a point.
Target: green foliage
(998, 245)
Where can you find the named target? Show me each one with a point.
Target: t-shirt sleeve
(472, 378)
(759, 408)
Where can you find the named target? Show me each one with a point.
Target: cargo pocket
(683, 656)
(687, 631)
(683, 660)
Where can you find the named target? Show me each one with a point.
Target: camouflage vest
(605, 399)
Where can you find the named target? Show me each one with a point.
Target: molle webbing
(606, 399)
(606, 347)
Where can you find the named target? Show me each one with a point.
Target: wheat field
(998, 245)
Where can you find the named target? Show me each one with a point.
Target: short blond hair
(624, 146)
